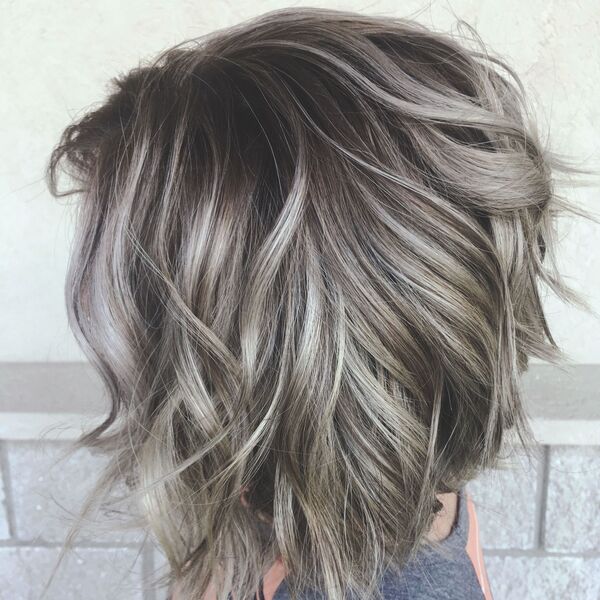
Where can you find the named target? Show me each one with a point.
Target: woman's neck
(444, 520)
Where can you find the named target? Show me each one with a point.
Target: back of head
(307, 266)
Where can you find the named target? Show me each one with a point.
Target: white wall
(58, 56)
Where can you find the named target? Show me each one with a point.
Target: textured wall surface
(538, 522)
(58, 57)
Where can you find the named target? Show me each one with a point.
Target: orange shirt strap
(475, 552)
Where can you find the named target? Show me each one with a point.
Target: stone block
(505, 500)
(48, 494)
(543, 577)
(85, 573)
(571, 522)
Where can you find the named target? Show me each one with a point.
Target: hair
(308, 261)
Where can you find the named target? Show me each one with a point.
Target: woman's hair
(307, 266)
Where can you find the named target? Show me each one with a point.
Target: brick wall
(538, 522)
(540, 527)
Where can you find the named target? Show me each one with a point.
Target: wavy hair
(307, 265)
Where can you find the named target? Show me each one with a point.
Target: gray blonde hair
(307, 266)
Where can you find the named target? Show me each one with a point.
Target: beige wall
(57, 57)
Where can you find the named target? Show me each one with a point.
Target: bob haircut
(307, 266)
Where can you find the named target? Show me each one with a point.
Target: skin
(440, 530)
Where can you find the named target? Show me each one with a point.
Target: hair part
(307, 265)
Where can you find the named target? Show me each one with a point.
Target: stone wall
(540, 527)
(538, 521)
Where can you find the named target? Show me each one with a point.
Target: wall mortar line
(148, 572)
(8, 495)
(542, 499)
